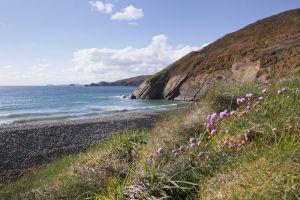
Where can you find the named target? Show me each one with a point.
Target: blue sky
(83, 41)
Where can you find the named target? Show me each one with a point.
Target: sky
(84, 41)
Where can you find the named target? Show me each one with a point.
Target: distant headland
(133, 81)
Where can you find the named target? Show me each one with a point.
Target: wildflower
(159, 150)
(213, 118)
(264, 91)
(201, 154)
(242, 100)
(192, 145)
(248, 107)
(260, 98)
(254, 105)
(224, 113)
(249, 96)
(213, 132)
(279, 91)
(247, 135)
(208, 117)
(232, 113)
(192, 140)
(208, 126)
(180, 148)
(284, 89)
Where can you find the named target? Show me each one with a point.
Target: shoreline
(24, 146)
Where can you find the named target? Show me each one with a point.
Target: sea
(25, 104)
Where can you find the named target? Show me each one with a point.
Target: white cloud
(101, 7)
(130, 13)
(113, 64)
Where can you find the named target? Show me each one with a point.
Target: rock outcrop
(265, 50)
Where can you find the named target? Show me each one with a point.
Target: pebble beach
(24, 146)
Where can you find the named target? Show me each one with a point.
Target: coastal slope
(264, 50)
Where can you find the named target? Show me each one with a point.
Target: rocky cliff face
(267, 49)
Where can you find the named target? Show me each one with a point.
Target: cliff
(134, 81)
(266, 49)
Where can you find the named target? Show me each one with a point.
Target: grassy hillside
(251, 153)
(264, 50)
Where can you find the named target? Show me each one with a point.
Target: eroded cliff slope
(264, 50)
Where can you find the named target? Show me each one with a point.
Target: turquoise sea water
(20, 104)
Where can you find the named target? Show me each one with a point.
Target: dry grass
(78, 176)
(175, 128)
(231, 169)
(272, 176)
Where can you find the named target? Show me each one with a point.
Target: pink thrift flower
(248, 107)
(208, 126)
(264, 91)
(260, 98)
(249, 96)
(192, 145)
(213, 118)
(192, 140)
(159, 150)
(241, 101)
(279, 91)
(208, 117)
(254, 105)
(180, 148)
(224, 113)
(213, 132)
(247, 135)
(201, 154)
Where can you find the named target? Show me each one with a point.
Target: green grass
(263, 165)
(274, 129)
(78, 176)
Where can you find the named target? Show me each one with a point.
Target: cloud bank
(113, 64)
